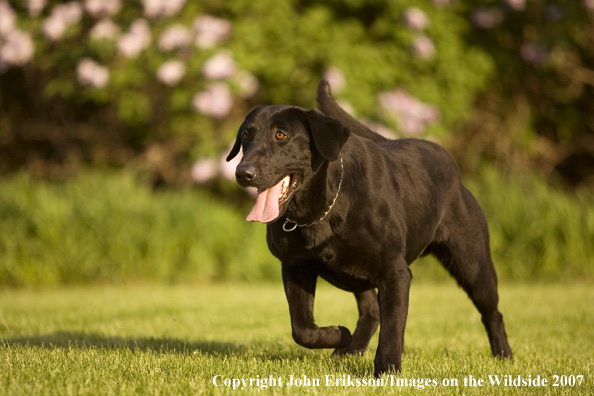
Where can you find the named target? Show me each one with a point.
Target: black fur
(399, 199)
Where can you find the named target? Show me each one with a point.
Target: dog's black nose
(245, 174)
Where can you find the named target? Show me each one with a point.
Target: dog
(343, 203)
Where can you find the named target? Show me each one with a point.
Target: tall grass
(537, 231)
(108, 227)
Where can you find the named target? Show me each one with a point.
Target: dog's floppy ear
(237, 146)
(328, 134)
(235, 150)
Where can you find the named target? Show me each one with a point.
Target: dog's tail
(329, 107)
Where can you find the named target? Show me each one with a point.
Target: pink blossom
(252, 191)
(211, 31)
(162, 8)
(92, 74)
(216, 101)
(412, 115)
(423, 47)
(103, 8)
(219, 67)
(589, 4)
(152, 8)
(380, 129)
(516, 5)
(140, 27)
(248, 83)
(533, 53)
(17, 48)
(61, 18)
(54, 28)
(136, 39)
(176, 36)
(171, 72)
(35, 7)
(105, 29)
(7, 19)
(487, 17)
(415, 18)
(70, 12)
(335, 78)
(204, 170)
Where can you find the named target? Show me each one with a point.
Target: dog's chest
(344, 267)
(345, 262)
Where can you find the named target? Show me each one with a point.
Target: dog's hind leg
(366, 325)
(465, 253)
(300, 286)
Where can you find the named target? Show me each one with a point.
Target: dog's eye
(280, 136)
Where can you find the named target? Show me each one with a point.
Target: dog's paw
(345, 337)
(349, 350)
(391, 365)
(390, 369)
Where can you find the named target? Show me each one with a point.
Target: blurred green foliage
(537, 232)
(285, 46)
(537, 111)
(106, 227)
(512, 79)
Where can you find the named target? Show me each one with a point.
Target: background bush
(157, 89)
(106, 227)
(511, 78)
(79, 96)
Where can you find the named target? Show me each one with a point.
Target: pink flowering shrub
(216, 101)
(154, 70)
(412, 116)
(91, 74)
(62, 17)
(171, 72)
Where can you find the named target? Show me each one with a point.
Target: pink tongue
(266, 208)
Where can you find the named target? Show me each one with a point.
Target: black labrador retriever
(355, 208)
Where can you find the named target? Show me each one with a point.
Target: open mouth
(288, 185)
(271, 201)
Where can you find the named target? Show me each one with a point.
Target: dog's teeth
(285, 186)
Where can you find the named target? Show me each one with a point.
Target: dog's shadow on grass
(82, 340)
(67, 340)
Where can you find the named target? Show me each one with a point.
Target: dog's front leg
(393, 294)
(300, 287)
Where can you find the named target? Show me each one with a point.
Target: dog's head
(282, 147)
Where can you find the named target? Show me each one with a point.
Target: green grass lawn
(171, 340)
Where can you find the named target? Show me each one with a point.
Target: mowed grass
(171, 340)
